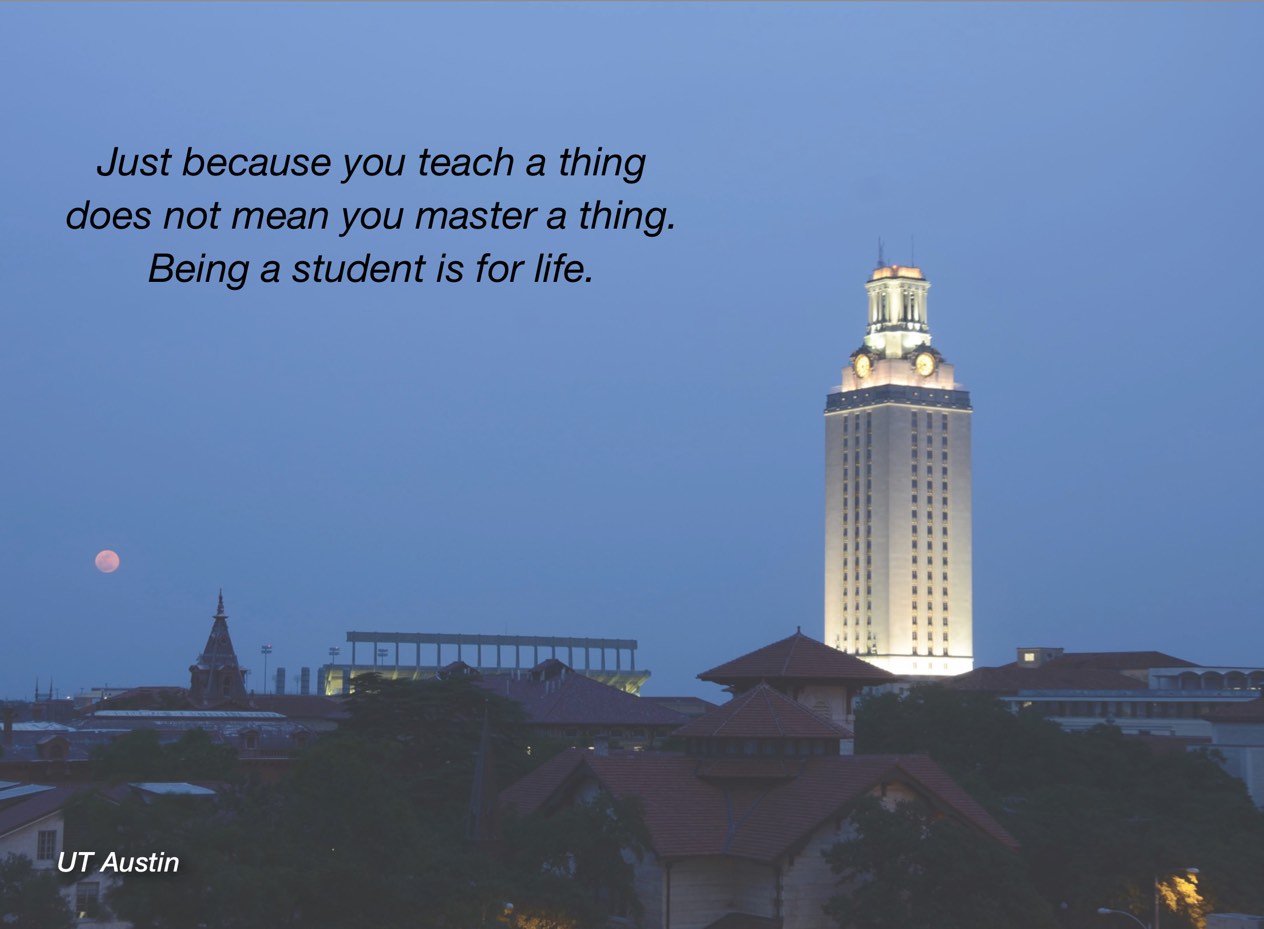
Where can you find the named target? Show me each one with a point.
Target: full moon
(107, 561)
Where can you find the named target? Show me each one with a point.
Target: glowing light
(1179, 893)
(107, 561)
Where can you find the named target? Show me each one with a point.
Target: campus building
(897, 493)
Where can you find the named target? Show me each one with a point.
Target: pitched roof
(800, 658)
(32, 807)
(690, 706)
(763, 713)
(689, 816)
(573, 699)
(1012, 678)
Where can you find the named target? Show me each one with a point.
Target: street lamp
(1103, 910)
(266, 650)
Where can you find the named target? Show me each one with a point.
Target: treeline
(371, 828)
(1099, 816)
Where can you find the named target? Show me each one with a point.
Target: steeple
(217, 677)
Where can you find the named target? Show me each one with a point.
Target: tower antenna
(881, 262)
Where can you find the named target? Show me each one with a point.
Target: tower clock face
(862, 366)
(925, 364)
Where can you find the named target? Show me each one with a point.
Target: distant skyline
(641, 456)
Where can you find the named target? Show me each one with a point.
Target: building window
(46, 845)
(88, 899)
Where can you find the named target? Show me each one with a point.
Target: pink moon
(107, 562)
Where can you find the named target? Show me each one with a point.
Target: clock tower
(898, 561)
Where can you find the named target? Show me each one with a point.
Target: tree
(576, 861)
(31, 899)
(140, 755)
(1097, 814)
(905, 868)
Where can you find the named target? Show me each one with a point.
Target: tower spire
(219, 610)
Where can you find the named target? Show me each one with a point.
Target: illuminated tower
(897, 493)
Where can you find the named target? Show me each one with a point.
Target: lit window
(46, 845)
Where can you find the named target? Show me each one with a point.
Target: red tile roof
(23, 811)
(575, 700)
(689, 816)
(800, 658)
(763, 713)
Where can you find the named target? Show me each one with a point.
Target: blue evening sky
(640, 456)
